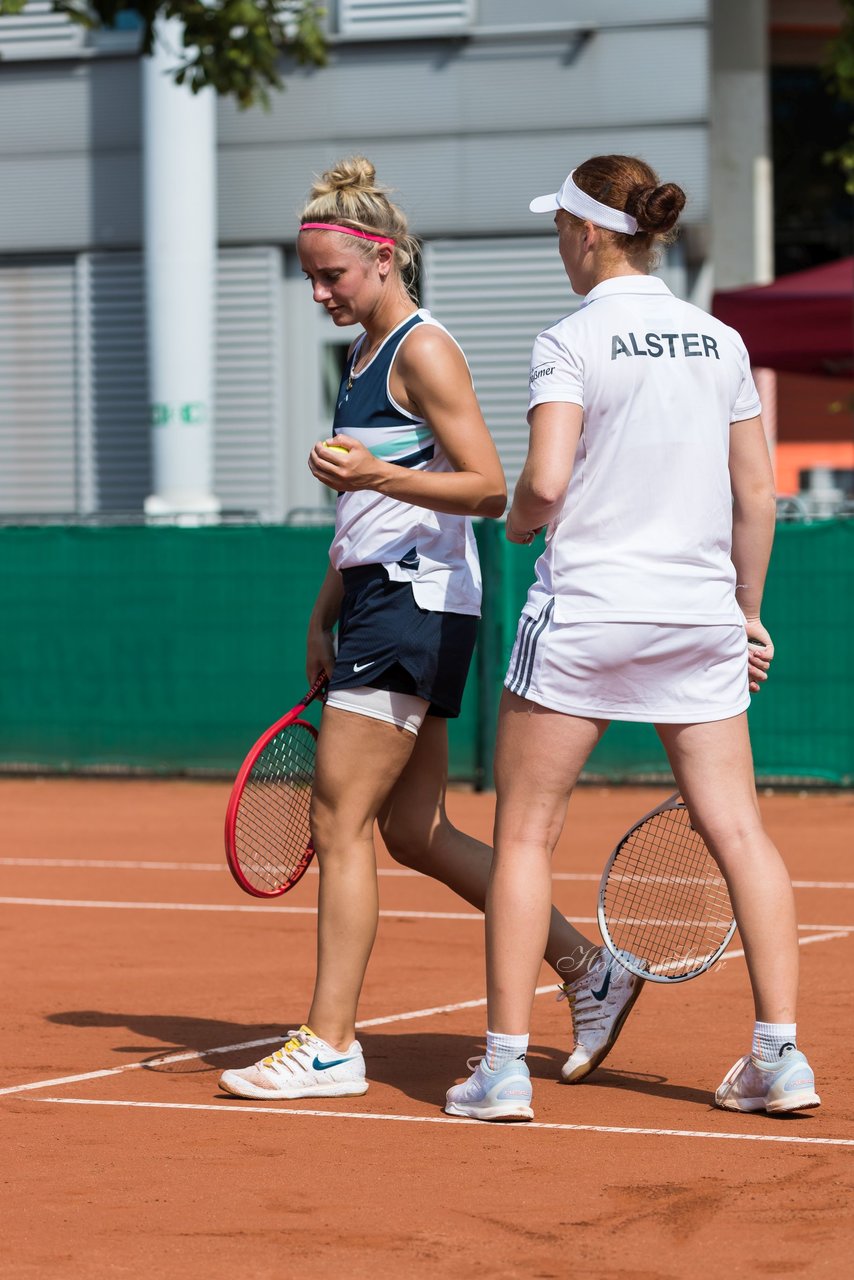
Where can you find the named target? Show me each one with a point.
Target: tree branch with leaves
(232, 46)
(839, 75)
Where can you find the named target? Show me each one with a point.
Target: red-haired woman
(648, 466)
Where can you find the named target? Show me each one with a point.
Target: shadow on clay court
(652, 1086)
(177, 1035)
(419, 1065)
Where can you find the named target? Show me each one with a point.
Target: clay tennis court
(136, 971)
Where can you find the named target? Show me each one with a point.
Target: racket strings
(272, 835)
(666, 901)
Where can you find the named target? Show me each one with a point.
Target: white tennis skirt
(658, 673)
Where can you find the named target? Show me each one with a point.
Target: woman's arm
(320, 651)
(754, 517)
(541, 489)
(430, 379)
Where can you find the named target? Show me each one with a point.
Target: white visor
(574, 200)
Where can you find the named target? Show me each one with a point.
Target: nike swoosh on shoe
(603, 990)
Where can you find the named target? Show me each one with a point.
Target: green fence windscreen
(150, 647)
(802, 723)
(170, 650)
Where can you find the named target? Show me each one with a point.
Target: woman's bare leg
(418, 834)
(713, 767)
(539, 756)
(358, 761)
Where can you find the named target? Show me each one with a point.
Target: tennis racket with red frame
(267, 837)
(664, 908)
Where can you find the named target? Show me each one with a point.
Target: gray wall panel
(495, 295)
(38, 377)
(248, 447)
(70, 202)
(74, 413)
(604, 12)
(491, 87)
(46, 202)
(463, 130)
(44, 107)
(60, 107)
(117, 360)
(70, 164)
(450, 186)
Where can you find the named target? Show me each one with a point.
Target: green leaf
(232, 46)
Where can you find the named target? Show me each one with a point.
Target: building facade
(467, 107)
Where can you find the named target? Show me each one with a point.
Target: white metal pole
(763, 273)
(179, 169)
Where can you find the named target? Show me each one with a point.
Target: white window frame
(38, 32)
(402, 19)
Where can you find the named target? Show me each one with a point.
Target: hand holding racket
(267, 836)
(664, 908)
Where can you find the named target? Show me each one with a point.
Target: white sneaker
(776, 1087)
(599, 1001)
(304, 1067)
(504, 1094)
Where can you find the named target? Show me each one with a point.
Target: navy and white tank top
(433, 551)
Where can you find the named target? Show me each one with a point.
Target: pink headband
(347, 231)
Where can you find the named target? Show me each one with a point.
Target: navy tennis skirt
(385, 641)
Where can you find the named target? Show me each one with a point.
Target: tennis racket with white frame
(664, 908)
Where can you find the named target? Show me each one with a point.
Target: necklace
(364, 357)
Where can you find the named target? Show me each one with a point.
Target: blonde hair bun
(356, 173)
(347, 193)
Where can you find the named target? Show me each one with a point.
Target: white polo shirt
(645, 532)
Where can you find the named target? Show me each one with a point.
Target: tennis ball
(336, 448)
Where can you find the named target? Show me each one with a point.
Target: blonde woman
(412, 462)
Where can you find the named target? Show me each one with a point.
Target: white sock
(501, 1049)
(771, 1038)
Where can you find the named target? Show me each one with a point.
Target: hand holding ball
(335, 448)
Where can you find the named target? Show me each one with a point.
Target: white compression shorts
(404, 710)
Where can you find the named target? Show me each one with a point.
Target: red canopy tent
(802, 323)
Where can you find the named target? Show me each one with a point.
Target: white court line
(113, 864)
(802, 942)
(229, 907)
(124, 864)
(470, 916)
(149, 865)
(189, 1054)
(119, 864)
(455, 1120)
(408, 1016)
